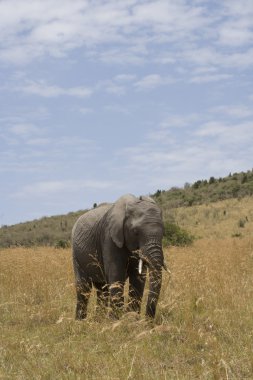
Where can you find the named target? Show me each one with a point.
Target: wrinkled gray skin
(104, 242)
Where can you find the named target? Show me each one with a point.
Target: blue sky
(101, 98)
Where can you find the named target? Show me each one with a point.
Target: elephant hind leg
(83, 290)
(136, 286)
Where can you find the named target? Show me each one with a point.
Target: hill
(207, 205)
(237, 185)
(47, 231)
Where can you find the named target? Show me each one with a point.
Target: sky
(101, 98)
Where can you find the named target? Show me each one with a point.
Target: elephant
(113, 242)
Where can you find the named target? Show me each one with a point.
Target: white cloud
(47, 188)
(124, 78)
(234, 111)
(114, 86)
(236, 29)
(232, 34)
(219, 59)
(212, 129)
(174, 18)
(243, 8)
(242, 60)
(203, 56)
(51, 91)
(38, 142)
(117, 108)
(30, 148)
(182, 146)
(205, 78)
(152, 81)
(114, 89)
(24, 129)
(179, 121)
(126, 32)
(86, 110)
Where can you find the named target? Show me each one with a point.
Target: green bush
(237, 234)
(241, 223)
(174, 235)
(62, 244)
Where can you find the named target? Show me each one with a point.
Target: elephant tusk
(166, 269)
(140, 266)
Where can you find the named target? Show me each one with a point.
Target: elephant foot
(134, 306)
(116, 313)
(80, 313)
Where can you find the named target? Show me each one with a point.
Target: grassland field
(203, 327)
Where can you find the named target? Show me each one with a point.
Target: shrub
(158, 193)
(174, 235)
(197, 184)
(237, 234)
(241, 223)
(62, 244)
(244, 178)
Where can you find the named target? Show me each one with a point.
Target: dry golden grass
(203, 328)
(216, 220)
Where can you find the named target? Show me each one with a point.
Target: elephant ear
(117, 217)
(148, 199)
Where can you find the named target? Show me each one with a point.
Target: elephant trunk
(155, 282)
(152, 253)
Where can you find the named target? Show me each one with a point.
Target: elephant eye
(135, 231)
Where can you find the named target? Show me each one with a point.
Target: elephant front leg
(136, 286)
(115, 265)
(116, 298)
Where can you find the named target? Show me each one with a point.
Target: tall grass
(216, 220)
(203, 328)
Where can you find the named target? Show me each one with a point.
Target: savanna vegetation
(47, 231)
(236, 185)
(203, 328)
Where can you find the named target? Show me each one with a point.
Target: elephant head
(137, 224)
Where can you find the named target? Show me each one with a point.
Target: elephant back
(85, 229)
